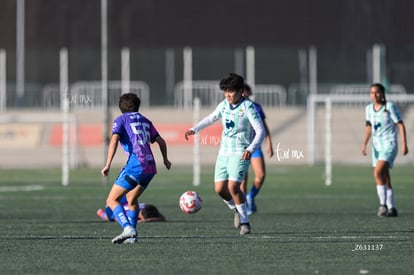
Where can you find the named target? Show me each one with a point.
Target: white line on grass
(252, 236)
(21, 188)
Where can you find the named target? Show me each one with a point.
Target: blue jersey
(259, 109)
(136, 135)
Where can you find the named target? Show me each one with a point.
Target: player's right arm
(367, 136)
(205, 122)
(113, 146)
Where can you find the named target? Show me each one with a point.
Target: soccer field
(301, 227)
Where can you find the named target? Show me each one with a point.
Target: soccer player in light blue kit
(135, 133)
(242, 134)
(382, 119)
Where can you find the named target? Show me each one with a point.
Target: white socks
(386, 196)
(381, 191)
(230, 204)
(390, 199)
(242, 210)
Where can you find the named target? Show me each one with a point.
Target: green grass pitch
(301, 227)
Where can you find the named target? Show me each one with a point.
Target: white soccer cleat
(129, 232)
(382, 211)
(244, 228)
(131, 240)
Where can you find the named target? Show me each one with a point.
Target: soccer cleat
(129, 232)
(392, 213)
(244, 228)
(382, 211)
(131, 240)
(251, 206)
(236, 219)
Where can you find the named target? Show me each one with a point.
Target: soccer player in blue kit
(135, 133)
(382, 119)
(257, 160)
(242, 134)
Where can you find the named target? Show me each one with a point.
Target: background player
(382, 119)
(257, 160)
(147, 212)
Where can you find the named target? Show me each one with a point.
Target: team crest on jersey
(377, 125)
(229, 124)
(241, 112)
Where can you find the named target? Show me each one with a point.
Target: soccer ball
(190, 202)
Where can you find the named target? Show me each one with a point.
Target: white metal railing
(270, 95)
(363, 89)
(208, 91)
(88, 94)
(210, 95)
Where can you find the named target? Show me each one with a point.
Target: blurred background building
(286, 50)
(156, 32)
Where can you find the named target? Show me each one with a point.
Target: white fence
(210, 94)
(88, 94)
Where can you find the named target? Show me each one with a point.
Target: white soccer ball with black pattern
(190, 202)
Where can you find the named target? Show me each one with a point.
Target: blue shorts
(230, 168)
(131, 176)
(385, 155)
(257, 154)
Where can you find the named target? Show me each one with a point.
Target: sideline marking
(21, 188)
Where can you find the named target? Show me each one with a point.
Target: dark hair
(150, 211)
(381, 88)
(129, 103)
(233, 82)
(247, 89)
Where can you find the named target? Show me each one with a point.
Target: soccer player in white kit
(382, 119)
(242, 134)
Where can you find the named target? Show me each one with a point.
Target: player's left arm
(163, 148)
(268, 140)
(403, 134)
(396, 117)
(257, 124)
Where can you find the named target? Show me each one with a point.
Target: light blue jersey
(242, 127)
(383, 123)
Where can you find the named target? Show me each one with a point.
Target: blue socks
(133, 217)
(254, 191)
(121, 216)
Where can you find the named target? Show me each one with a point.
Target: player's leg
(389, 157)
(221, 180)
(133, 206)
(121, 217)
(221, 189)
(236, 170)
(258, 166)
(243, 185)
(141, 182)
(113, 201)
(106, 214)
(380, 180)
(125, 182)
